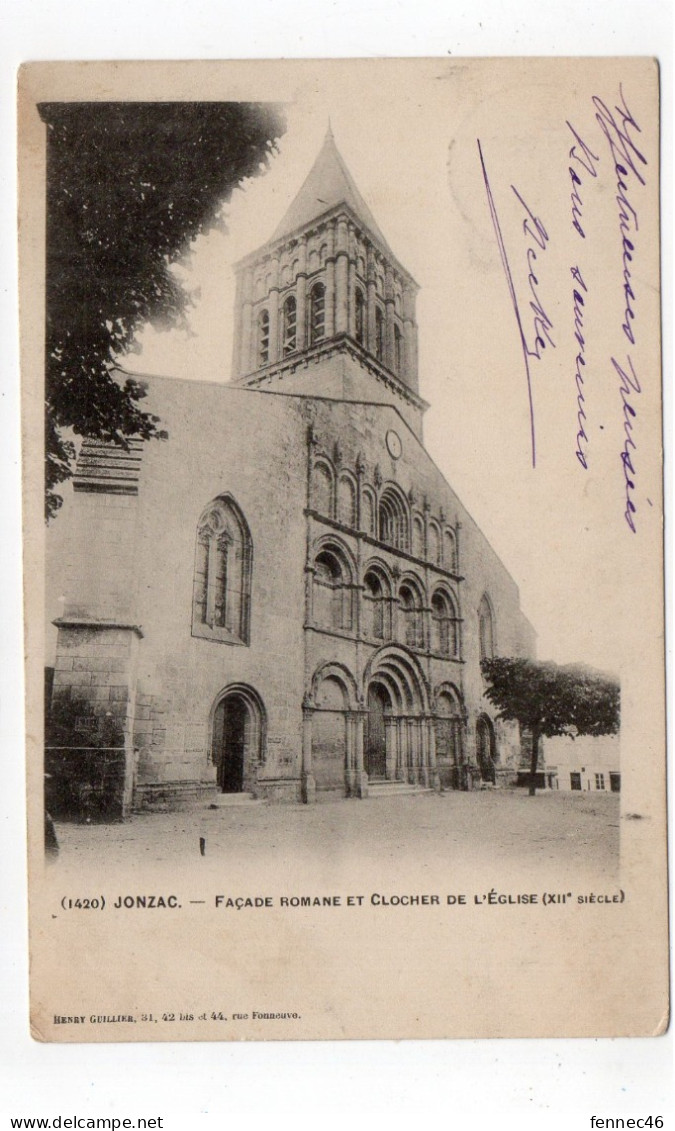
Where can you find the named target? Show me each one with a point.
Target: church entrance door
(375, 745)
(485, 749)
(233, 732)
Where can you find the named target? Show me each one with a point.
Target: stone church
(285, 598)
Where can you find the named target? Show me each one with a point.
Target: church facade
(285, 598)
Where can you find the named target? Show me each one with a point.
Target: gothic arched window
(289, 326)
(360, 317)
(332, 597)
(346, 501)
(221, 606)
(444, 625)
(263, 337)
(377, 619)
(393, 519)
(411, 620)
(368, 511)
(434, 544)
(317, 313)
(322, 489)
(486, 641)
(449, 550)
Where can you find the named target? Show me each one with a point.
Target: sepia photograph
(338, 673)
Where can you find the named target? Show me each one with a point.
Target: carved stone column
(308, 784)
(301, 295)
(341, 279)
(410, 747)
(330, 281)
(390, 748)
(398, 737)
(350, 753)
(360, 776)
(409, 338)
(434, 776)
(389, 318)
(416, 750)
(371, 303)
(273, 306)
(351, 322)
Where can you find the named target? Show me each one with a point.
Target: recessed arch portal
(486, 748)
(379, 704)
(449, 723)
(238, 728)
(398, 738)
(333, 695)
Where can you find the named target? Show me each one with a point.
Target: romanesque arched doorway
(398, 739)
(237, 735)
(486, 749)
(449, 731)
(375, 745)
(329, 735)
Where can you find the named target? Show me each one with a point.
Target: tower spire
(328, 184)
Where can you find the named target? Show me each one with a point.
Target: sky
(412, 150)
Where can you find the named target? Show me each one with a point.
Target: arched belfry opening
(237, 738)
(327, 282)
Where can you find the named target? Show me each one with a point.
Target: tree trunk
(534, 760)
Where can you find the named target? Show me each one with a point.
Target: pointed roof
(328, 184)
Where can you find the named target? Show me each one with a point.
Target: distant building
(286, 597)
(586, 763)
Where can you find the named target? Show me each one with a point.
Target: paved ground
(487, 832)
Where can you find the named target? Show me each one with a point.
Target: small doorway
(485, 749)
(375, 744)
(237, 741)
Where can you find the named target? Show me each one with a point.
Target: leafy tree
(129, 186)
(548, 699)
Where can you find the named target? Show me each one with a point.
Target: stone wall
(132, 566)
(89, 747)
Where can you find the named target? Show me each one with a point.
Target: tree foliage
(129, 186)
(550, 699)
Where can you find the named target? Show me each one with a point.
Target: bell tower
(325, 308)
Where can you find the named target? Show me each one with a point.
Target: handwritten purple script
(619, 128)
(582, 165)
(537, 239)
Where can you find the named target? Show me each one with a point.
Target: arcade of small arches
(389, 727)
(383, 512)
(381, 604)
(324, 283)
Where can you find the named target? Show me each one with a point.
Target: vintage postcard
(344, 644)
